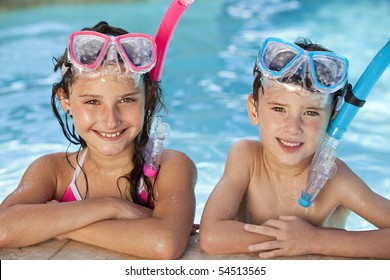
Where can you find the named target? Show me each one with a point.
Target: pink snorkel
(164, 34)
(159, 131)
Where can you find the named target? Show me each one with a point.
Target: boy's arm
(358, 244)
(295, 236)
(354, 194)
(220, 232)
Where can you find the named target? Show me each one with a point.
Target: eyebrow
(97, 95)
(275, 103)
(315, 108)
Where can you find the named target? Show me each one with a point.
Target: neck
(117, 165)
(282, 172)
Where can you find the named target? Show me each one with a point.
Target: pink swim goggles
(88, 49)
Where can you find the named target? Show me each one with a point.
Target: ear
(252, 110)
(64, 101)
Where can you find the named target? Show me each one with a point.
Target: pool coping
(73, 250)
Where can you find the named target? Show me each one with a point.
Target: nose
(111, 117)
(293, 125)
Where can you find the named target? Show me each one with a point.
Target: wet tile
(73, 250)
(42, 251)
(79, 251)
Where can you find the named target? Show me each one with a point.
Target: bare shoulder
(178, 167)
(174, 155)
(244, 154)
(40, 180)
(52, 164)
(246, 146)
(233, 184)
(173, 158)
(344, 174)
(348, 183)
(239, 168)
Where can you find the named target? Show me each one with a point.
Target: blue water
(206, 78)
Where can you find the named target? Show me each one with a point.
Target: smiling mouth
(113, 135)
(288, 146)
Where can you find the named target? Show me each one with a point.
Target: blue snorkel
(322, 166)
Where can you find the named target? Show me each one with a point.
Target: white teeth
(109, 135)
(289, 144)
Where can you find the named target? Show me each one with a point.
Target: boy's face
(291, 123)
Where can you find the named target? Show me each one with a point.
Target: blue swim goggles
(317, 71)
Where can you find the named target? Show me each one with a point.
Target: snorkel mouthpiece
(321, 169)
(158, 133)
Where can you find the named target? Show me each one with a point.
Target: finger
(265, 230)
(271, 254)
(264, 246)
(52, 201)
(274, 223)
(251, 228)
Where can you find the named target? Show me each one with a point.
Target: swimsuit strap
(80, 163)
(142, 194)
(72, 193)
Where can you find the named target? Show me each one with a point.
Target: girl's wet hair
(153, 105)
(305, 44)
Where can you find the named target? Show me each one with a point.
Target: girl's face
(108, 112)
(291, 124)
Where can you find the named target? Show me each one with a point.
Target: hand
(52, 201)
(129, 210)
(293, 236)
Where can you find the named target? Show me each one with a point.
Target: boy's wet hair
(153, 105)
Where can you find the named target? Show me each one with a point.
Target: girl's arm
(165, 234)
(27, 218)
(220, 232)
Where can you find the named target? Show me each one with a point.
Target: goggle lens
(329, 71)
(138, 50)
(87, 49)
(276, 57)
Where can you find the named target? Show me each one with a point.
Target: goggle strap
(352, 99)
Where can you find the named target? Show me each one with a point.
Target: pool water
(206, 78)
